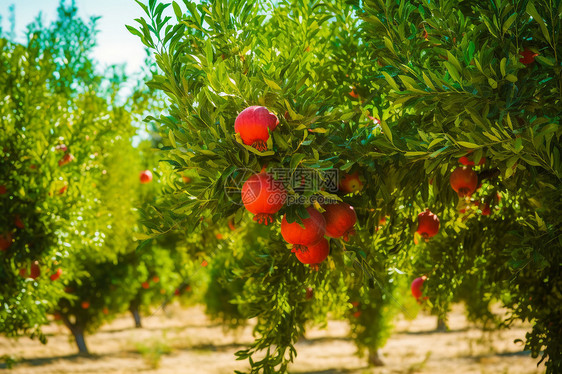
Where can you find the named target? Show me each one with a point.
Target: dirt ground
(185, 341)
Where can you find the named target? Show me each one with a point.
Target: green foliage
(444, 79)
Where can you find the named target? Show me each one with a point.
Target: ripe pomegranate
(486, 211)
(105, 310)
(253, 124)
(34, 270)
(464, 181)
(309, 293)
(85, 304)
(57, 316)
(353, 94)
(156, 279)
(351, 183)
(314, 230)
(186, 179)
(417, 285)
(5, 241)
(56, 275)
(3, 189)
(145, 176)
(67, 158)
(263, 196)
(177, 292)
(528, 56)
(340, 219)
(18, 222)
(428, 224)
(23, 273)
(467, 162)
(204, 263)
(231, 224)
(145, 285)
(314, 254)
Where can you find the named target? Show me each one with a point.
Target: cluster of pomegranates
(263, 196)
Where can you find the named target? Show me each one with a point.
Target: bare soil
(186, 341)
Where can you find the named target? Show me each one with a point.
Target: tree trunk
(374, 358)
(80, 341)
(442, 324)
(78, 333)
(136, 316)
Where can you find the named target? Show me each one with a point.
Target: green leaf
(492, 83)
(386, 130)
(512, 78)
(468, 144)
(177, 10)
(544, 60)
(390, 81)
(417, 153)
(532, 11)
(453, 60)
(507, 24)
(295, 160)
(453, 72)
(428, 81)
(272, 84)
(435, 142)
(540, 222)
(502, 66)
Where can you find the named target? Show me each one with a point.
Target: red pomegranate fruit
(5, 241)
(18, 222)
(314, 230)
(428, 224)
(464, 181)
(351, 183)
(67, 158)
(34, 270)
(486, 211)
(467, 162)
(145, 176)
(417, 286)
(528, 57)
(3, 189)
(253, 124)
(340, 219)
(56, 275)
(314, 254)
(263, 196)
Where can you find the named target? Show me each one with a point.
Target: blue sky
(115, 43)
